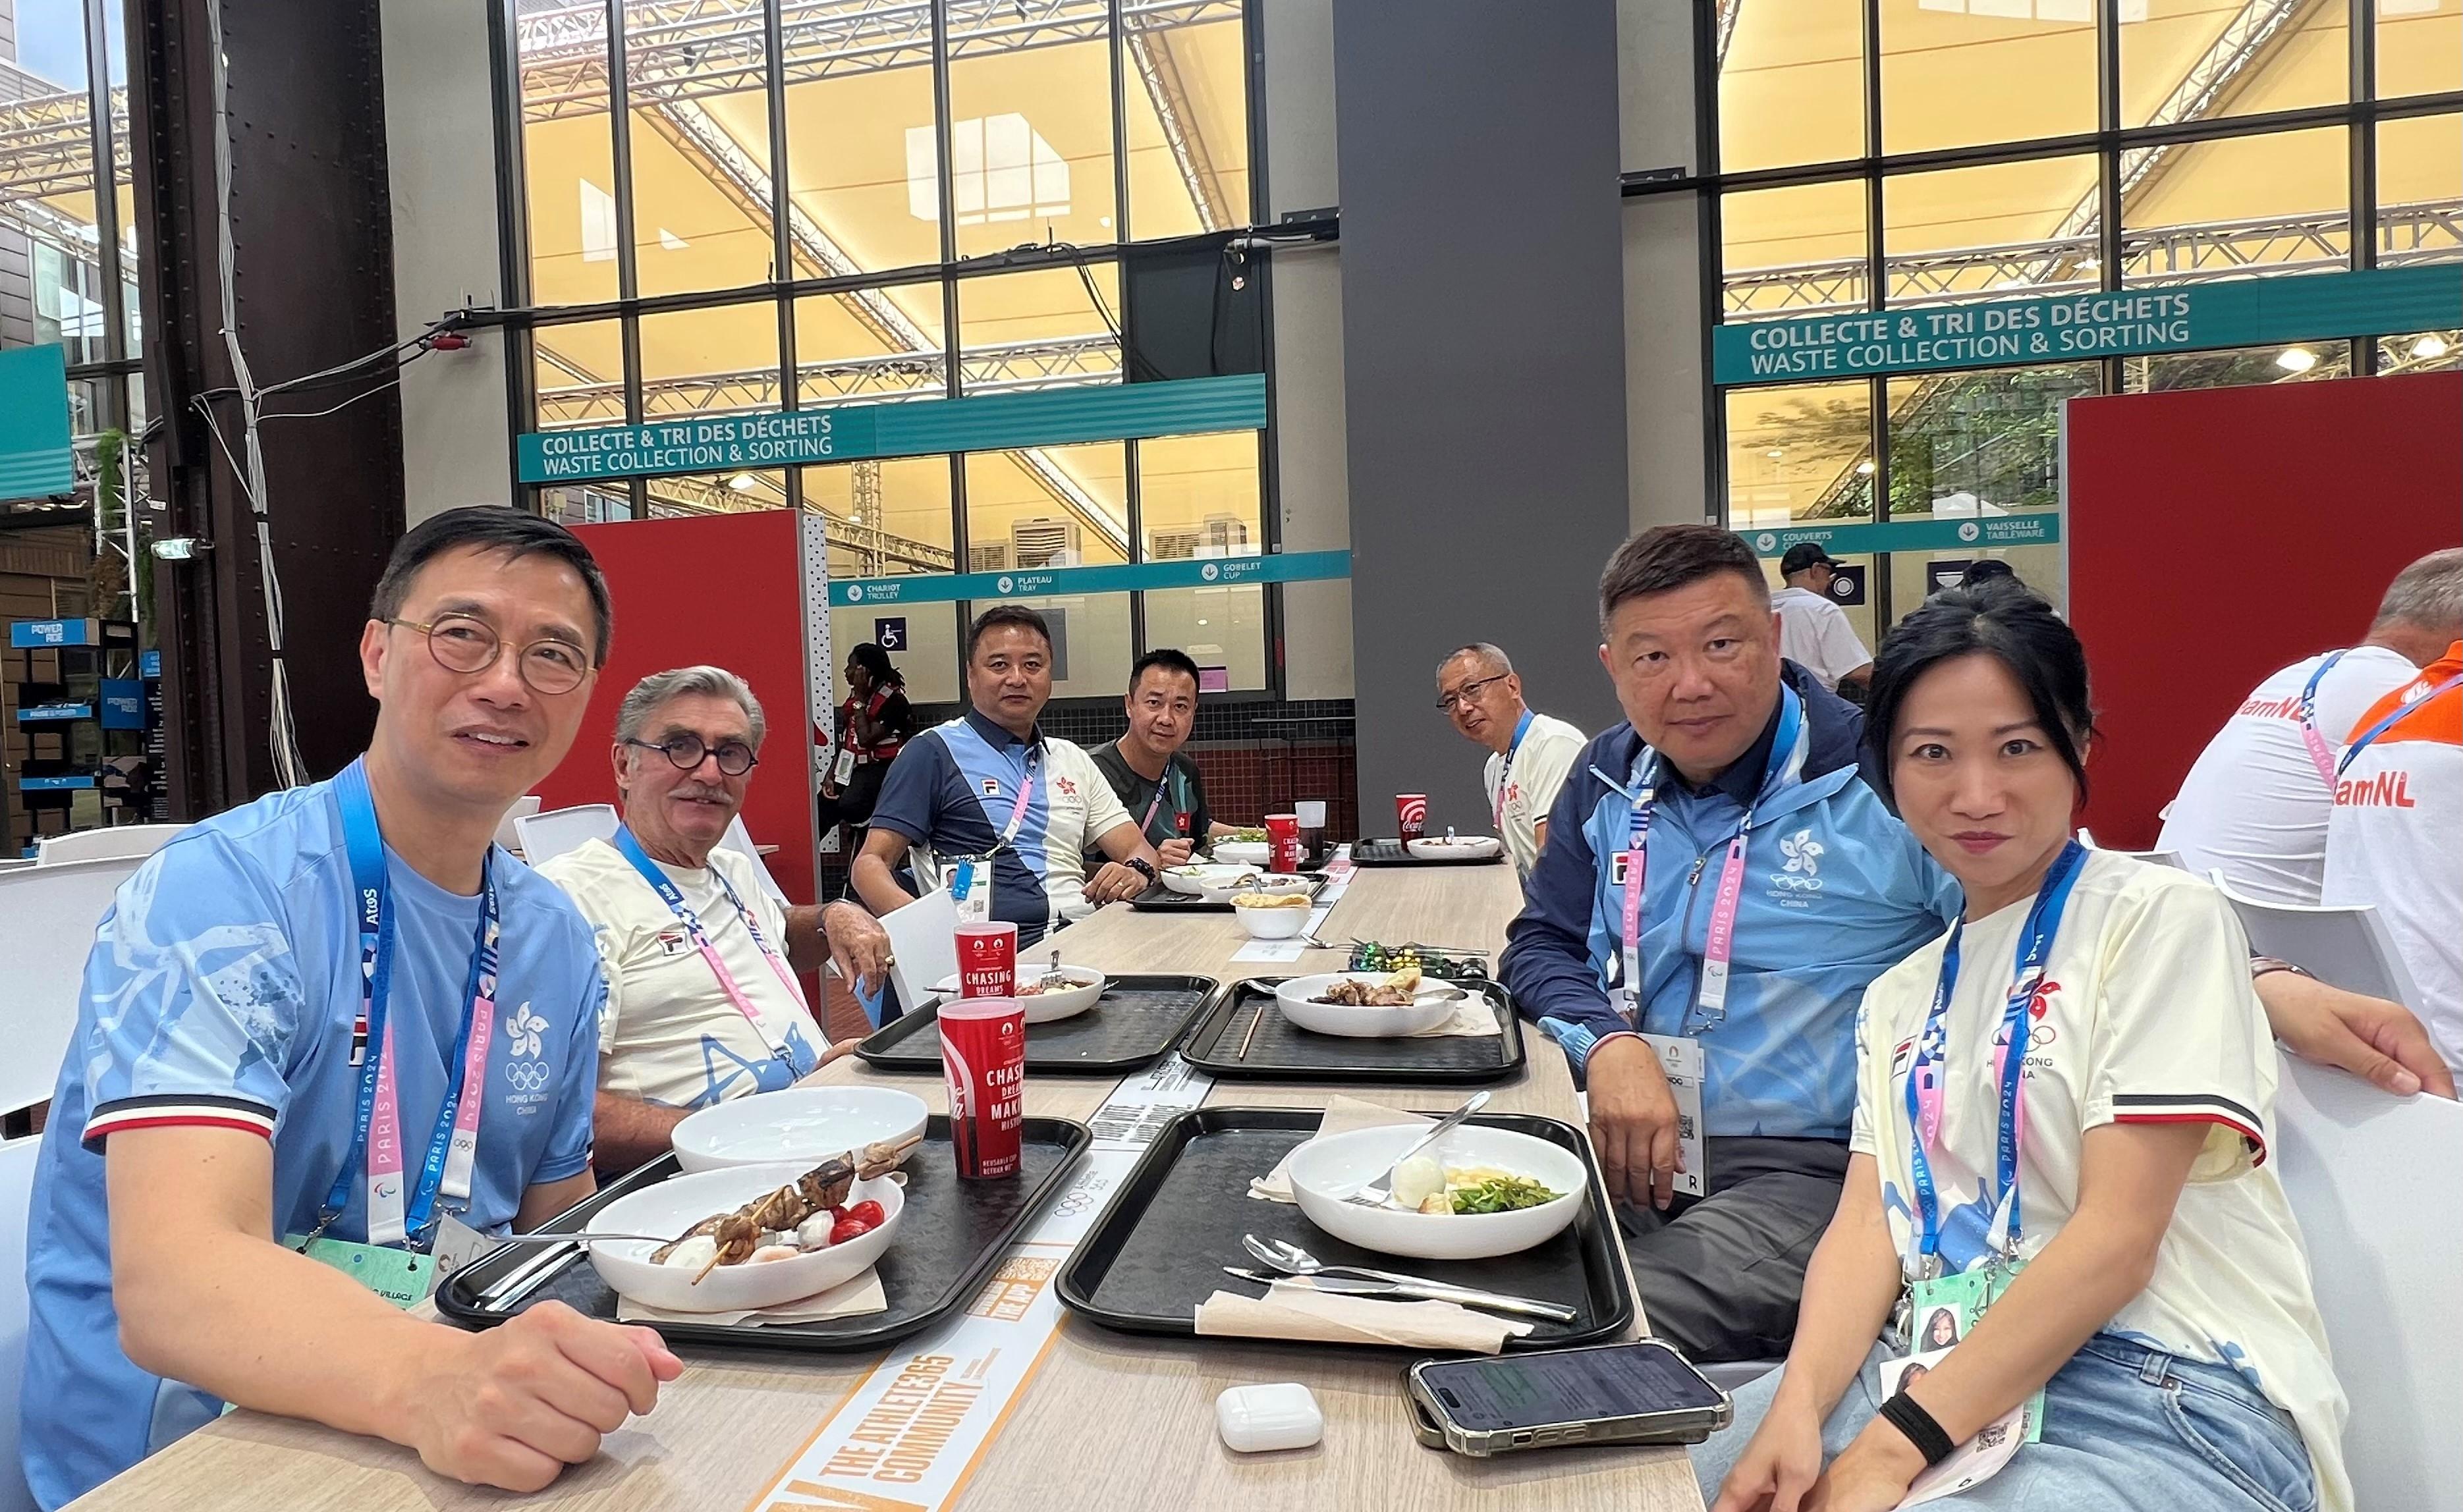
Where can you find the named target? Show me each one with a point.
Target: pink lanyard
(1025, 791)
(2321, 754)
(673, 897)
(1719, 951)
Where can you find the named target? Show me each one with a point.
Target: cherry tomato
(867, 1212)
(847, 1228)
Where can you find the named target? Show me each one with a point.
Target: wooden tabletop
(1109, 1421)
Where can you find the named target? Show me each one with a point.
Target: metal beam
(1151, 52)
(46, 147)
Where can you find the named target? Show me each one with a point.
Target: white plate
(1198, 881)
(1243, 852)
(1430, 1005)
(1047, 1007)
(801, 1124)
(1461, 848)
(678, 1203)
(1327, 1169)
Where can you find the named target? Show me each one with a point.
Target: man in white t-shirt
(1529, 754)
(702, 1003)
(1813, 630)
(2392, 841)
(2254, 804)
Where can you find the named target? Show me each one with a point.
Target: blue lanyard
(2392, 718)
(1924, 1089)
(2309, 690)
(1521, 727)
(364, 842)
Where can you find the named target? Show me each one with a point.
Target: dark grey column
(1482, 365)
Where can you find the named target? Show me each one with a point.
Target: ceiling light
(1864, 468)
(744, 483)
(2090, 265)
(1201, 622)
(2013, 283)
(2428, 348)
(1776, 452)
(2295, 359)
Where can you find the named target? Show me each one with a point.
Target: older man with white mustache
(702, 1003)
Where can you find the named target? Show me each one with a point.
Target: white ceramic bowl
(1243, 852)
(1460, 848)
(675, 1205)
(1045, 1007)
(1325, 1169)
(1271, 924)
(806, 1125)
(1431, 1006)
(1202, 880)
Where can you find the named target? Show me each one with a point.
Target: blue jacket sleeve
(1548, 963)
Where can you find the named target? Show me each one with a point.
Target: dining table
(1100, 1420)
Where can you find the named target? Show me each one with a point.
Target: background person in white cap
(1813, 630)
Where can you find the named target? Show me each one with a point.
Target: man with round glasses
(702, 1003)
(1529, 753)
(324, 1040)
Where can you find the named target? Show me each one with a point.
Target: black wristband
(1138, 864)
(1908, 1415)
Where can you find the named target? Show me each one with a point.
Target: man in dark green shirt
(1156, 782)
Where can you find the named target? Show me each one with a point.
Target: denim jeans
(2125, 1426)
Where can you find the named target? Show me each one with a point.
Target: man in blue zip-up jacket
(1722, 736)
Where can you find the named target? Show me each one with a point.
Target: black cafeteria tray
(1282, 1051)
(1390, 852)
(1161, 1246)
(1158, 899)
(1130, 1027)
(951, 1235)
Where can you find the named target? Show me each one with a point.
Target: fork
(1293, 1261)
(1377, 1193)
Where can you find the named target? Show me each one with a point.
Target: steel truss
(47, 146)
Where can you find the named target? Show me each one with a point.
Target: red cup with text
(1283, 851)
(983, 1059)
(987, 960)
(1411, 815)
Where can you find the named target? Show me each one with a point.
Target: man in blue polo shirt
(1776, 885)
(325, 1033)
(1004, 811)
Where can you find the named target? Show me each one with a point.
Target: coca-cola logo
(1412, 810)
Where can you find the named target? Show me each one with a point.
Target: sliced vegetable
(1502, 1193)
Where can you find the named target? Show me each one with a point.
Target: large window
(1879, 155)
(789, 205)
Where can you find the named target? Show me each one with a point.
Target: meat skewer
(819, 1190)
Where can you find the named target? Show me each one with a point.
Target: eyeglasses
(467, 645)
(1463, 695)
(686, 749)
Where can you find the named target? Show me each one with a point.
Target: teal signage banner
(2068, 328)
(35, 459)
(910, 428)
(1049, 582)
(1912, 536)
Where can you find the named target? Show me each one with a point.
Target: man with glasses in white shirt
(1529, 753)
(703, 1002)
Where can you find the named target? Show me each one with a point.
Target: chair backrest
(923, 944)
(738, 839)
(545, 836)
(2376, 1201)
(525, 806)
(123, 842)
(2345, 945)
(2170, 859)
(47, 918)
(16, 1193)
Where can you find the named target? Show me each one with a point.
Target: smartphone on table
(1642, 1392)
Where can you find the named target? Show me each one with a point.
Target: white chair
(525, 806)
(737, 838)
(16, 1193)
(545, 836)
(125, 842)
(922, 945)
(2372, 1180)
(47, 918)
(2344, 945)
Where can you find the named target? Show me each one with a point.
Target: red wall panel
(2217, 534)
(724, 590)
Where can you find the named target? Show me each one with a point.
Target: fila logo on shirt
(673, 942)
(2388, 790)
(991, 787)
(1616, 868)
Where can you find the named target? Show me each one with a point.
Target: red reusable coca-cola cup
(983, 1058)
(987, 960)
(1283, 841)
(1411, 814)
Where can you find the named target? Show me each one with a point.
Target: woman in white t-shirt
(2131, 1256)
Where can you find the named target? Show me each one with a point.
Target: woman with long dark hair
(874, 725)
(2061, 1131)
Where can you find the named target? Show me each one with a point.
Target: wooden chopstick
(1260, 1017)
